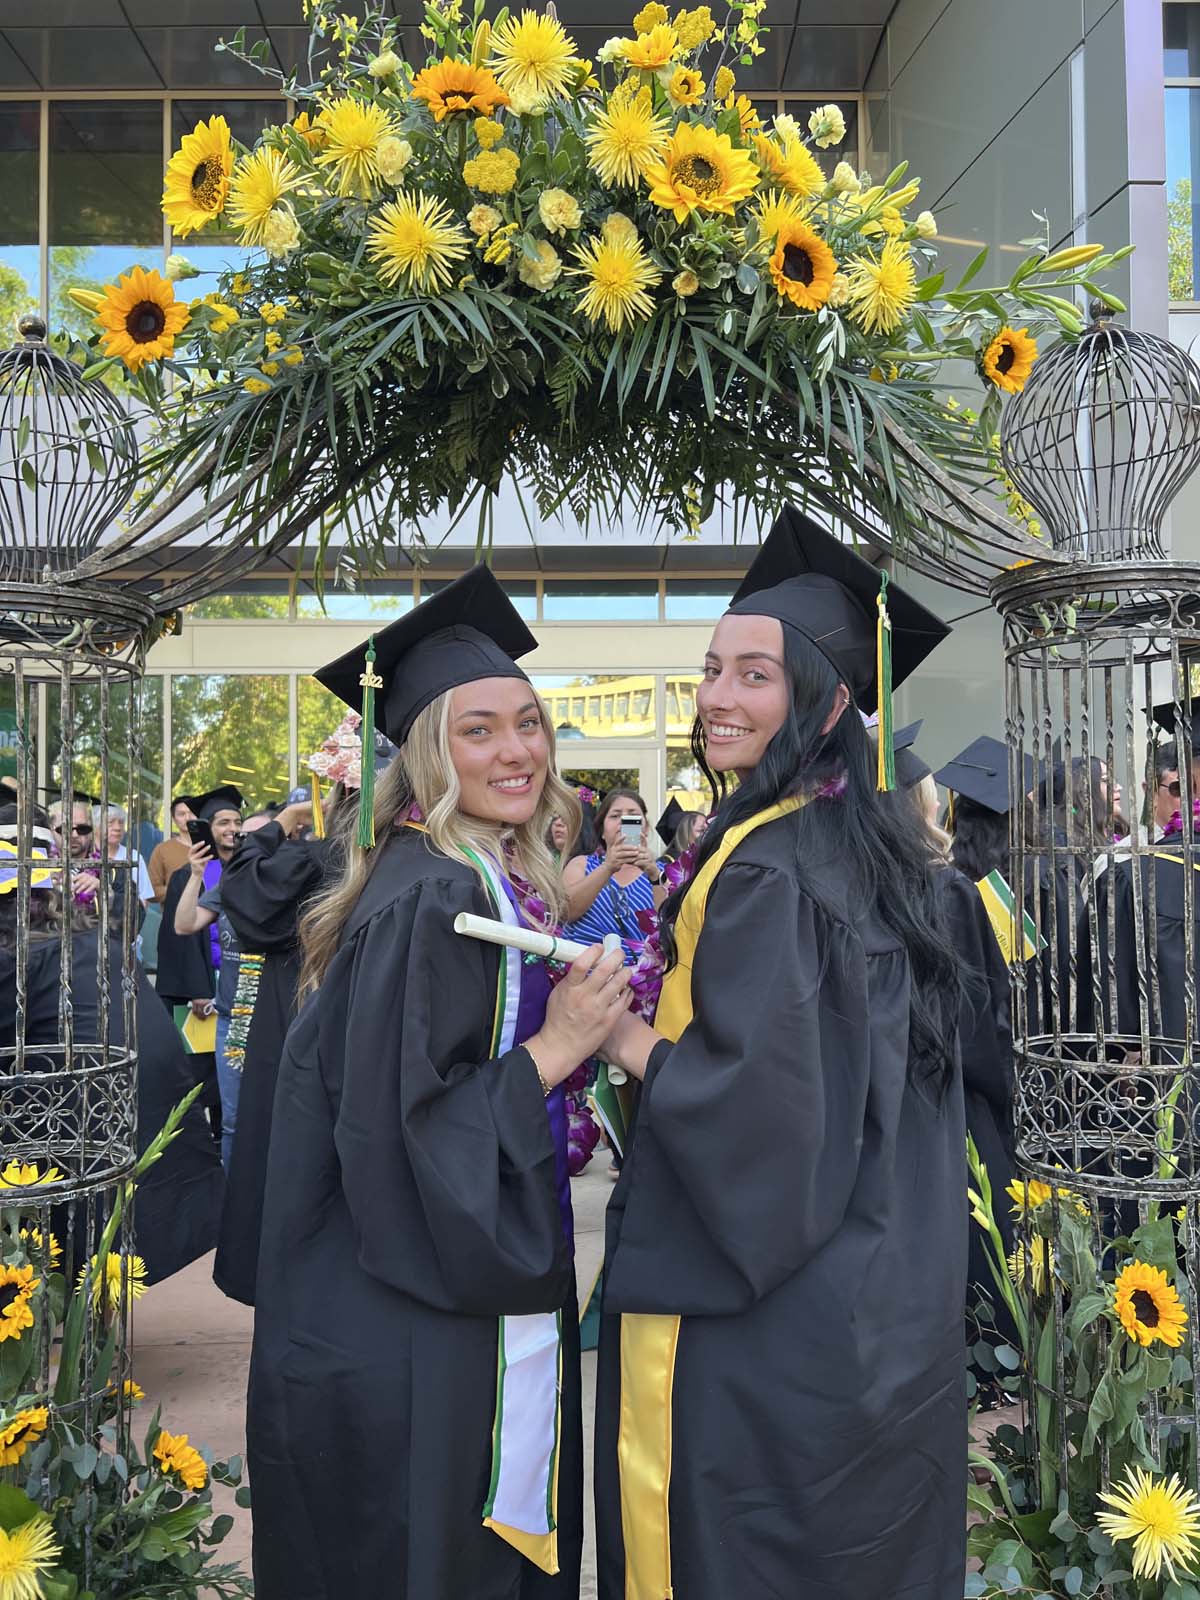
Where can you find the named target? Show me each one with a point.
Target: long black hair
(979, 840)
(888, 868)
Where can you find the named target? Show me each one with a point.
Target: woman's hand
(581, 1013)
(629, 1044)
(619, 855)
(647, 861)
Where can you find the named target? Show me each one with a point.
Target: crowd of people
(804, 986)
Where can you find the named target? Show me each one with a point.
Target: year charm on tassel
(370, 681)
(886, 775)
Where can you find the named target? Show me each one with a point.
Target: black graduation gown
(262, 891)
(1165, 938)
(178, 1200)
(791, 1194)
(410, 1201)
(185, 966)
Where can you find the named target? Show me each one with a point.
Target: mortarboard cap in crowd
(667, 825)
(468, 630)
(980, 773)
(79, 797)
(223, 798)
(1164, 716)
(910, 768)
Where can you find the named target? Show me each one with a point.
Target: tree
(15, 300)
(1180, 245)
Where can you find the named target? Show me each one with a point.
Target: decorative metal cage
(1101, 439)
(68, 460)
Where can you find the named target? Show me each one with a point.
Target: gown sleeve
(985, 1030)
(265, 884)
(750, 1128)
(446, 1155)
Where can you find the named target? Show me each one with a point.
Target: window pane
(1183, 152)
(318, 713)
(230, 729)
(217, 250)
(578, 600)
(685, 782)
(848, 149)
(1181, 41)
(680, 714)
(90, 740)
(365, 605)
(521, 591)
(625, 712)
(689, 599)
(19, 289)
(253, 606)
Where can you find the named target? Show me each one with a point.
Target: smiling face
(743, 700)
(226, 826)
(499, 749)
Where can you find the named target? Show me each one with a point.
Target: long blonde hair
(424, 774)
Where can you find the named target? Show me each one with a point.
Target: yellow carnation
(685, 283)
(618, 226)
(559, 211)
(483, 220)
(650, 17)
(845, 180)
(926, 225)
(493, 172)
(839, 291)
(391, 158)
(542, 273)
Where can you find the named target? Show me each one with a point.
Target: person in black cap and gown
(781, 1388)
(414, 1423)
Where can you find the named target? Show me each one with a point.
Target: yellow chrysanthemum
(686, 87)
(694, 28)
(35, 1243)
(802, 267)
(353, 131)
(140, 318)
(1148, 1307)
(119, 1268)
(26, 1553)
(651, 51)
(174, 1454)
(1027, 1194)
(618, 274)
(1040, 1258)
(774, 210)
(454, 87)
(650, 17)
(882, 287)
(1160, 1516)
(26, 1174)
(259, 183)
(197, 177)
(1009, 359)
(20, 1431)
(744, 106)
(533, 56)
(16, 1290)
(415, 241)
(788, 161)
(311, 132)
(493, 172)
(723, 83)
(700, 170)
(626, 138)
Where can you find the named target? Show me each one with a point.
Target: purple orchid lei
(1175, 826)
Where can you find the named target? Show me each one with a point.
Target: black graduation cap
(810, 580)
(223, 798)
(980, 773)
(667, 825)
(468, 630)
(1164, 716)
(79, 797)
(910, 769)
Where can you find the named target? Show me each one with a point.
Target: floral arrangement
(607, 280)
(339, 760)
(1125, 1521)
(80, 1502)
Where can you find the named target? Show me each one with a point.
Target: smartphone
(631, 830)
(199, 832)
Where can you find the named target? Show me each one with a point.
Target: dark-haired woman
(781, 1409)
(614, 889)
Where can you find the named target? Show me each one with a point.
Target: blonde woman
(414, 1415)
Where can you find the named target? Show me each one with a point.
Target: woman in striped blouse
(607, 890)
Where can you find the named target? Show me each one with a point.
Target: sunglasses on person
(78, 827)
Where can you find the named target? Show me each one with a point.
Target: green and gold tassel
(886, 777)
(318, 810)
(370, 681)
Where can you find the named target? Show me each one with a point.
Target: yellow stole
(649, 1342)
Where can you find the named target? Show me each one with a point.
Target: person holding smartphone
(621, 883)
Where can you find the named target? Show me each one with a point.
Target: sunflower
(16, 1290)
(118, 1269)
(174, 1454)
(1148, 1307)
(19, 1432)
(1009, 359)
(133, 1391)
(353, 130)
(882, 287)
(25, 1554)
(619, 273)
(415, 240)
(686, 87)
(626, 138)
(1041, 1265)
(533, 56)
(456, 86)
(197, 177)
(652, 51)
(1161, 1518)
(700, 171)
(802, 267)
(35, 1244)
(25, 1174)
(140, 318)
(260, 182)
(788, 161)
(748, 117)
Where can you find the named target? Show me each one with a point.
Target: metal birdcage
(68, 460)
(1101, 439)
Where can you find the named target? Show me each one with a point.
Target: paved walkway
(192, 1351)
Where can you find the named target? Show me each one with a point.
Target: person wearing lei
(781, 1379)
(414, 1416)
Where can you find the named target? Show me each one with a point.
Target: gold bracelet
(547, 1090)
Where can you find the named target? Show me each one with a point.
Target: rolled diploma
(538, 944)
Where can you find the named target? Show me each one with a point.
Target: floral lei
(1175, 826)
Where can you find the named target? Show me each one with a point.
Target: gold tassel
(885, 780)
(318, 810)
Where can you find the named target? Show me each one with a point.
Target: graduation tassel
(886, 775)
(950, 813)
(318, 810)
(370, 681)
